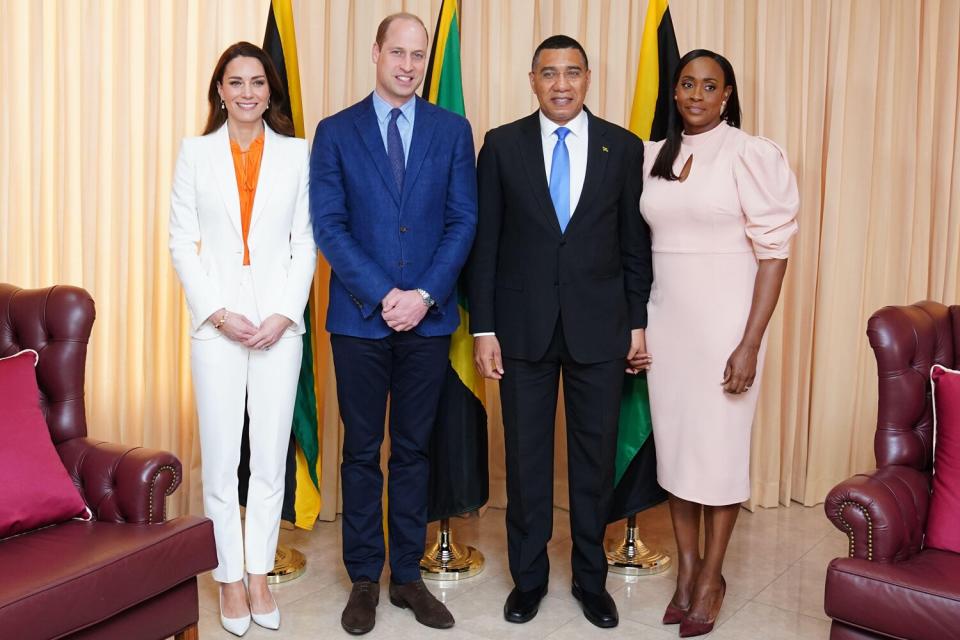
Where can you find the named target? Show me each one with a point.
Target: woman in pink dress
(721, 205)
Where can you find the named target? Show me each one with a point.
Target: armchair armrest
(883, 513)
(121, 483)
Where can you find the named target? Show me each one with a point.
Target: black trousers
(410, 368)
(528, 394)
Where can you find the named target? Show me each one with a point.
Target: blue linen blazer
(377, 237)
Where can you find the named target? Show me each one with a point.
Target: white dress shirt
(576, 146)
(576, 142)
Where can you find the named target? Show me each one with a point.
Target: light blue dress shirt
(404, 122)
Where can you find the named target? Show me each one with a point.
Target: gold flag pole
(288, 564)
(448, 560)
(632, 558)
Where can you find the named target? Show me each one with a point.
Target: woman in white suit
(241, 243)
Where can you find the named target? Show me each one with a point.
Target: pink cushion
(943, 524)
(35, 489)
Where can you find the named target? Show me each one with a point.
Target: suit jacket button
(400, 264)
(403, 229)
(563, 242)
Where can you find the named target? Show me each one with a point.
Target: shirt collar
(383, 108)
(577, 126)
(257, 142)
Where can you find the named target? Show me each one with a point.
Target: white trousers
(224, 372)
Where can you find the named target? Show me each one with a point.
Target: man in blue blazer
(393, 201)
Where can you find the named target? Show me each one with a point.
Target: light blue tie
(560, 179)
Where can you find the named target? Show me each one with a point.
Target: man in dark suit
(393, 202)
(559, 278)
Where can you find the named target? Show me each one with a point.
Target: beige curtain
(863, 94)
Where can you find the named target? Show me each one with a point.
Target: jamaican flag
(636, 467)
(301, 498)
(458, 447)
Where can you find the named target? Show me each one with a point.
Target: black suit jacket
(523, 272)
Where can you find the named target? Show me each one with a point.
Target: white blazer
(206, 242)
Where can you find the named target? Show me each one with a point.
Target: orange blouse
(246, 164)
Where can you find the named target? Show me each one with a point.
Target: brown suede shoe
(426, 608)
(360, 614)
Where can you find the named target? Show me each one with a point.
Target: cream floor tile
(579, 629)
(644, 600)
(833, 545)
(318, 616)
(210, 628)
(799, 589)
(804, 518)
(480, 611)
(774, 569)
(771, 543)
(321, 546)
(207, 592)
(324, 568)
(757, 621)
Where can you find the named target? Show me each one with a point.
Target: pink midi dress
(738, 205)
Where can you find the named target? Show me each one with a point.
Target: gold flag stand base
(288, 564)
(447, 560)
(632, 558)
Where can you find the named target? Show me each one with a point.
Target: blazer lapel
(531, 152)
(265, 180)
(222, 160)
(424, 123)
(597, 156)
(369, 130)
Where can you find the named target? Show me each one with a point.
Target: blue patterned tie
(560, 179)
(395, 149)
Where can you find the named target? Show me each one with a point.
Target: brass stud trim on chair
(153, 487)
(850, 536)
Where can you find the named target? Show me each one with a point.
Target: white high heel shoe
(236, 626)
(266, 620)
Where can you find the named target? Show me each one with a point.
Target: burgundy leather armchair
(891, 586)
(129, 573)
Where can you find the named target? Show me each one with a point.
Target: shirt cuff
(484, 333)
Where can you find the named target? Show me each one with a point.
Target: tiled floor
(775, 570)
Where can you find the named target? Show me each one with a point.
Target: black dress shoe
(522, 606)
(598, 608)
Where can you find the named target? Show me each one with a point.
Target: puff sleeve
(768, 196)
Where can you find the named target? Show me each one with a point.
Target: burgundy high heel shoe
(674, 614)
(690, 628)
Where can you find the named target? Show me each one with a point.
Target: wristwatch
(427, 298)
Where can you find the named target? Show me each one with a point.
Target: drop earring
(222, 105)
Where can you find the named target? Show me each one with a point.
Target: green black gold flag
(301, 498)
(636, 468)
(459, 481)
